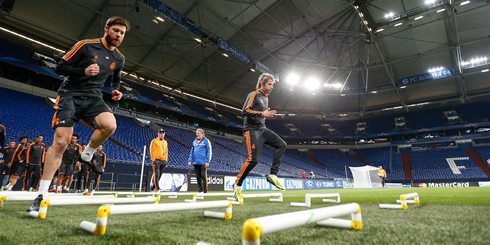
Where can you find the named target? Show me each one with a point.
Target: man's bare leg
(106, 125)
(62, 136)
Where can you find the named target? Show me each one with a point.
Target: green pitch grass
(445, 216)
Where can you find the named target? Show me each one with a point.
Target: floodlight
(292, 79)
(312, 84)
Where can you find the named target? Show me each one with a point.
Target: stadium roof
(356, 50)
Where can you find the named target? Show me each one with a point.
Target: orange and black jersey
(100, 157)
(3, 133)
(36, 153)
(71, 154)
(256, 103)
(17, 152)
(8, 153)
(82, 55)
(23, 154)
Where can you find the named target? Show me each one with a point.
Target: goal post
(365, 177)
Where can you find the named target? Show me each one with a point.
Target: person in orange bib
(159, 157)
(382, 175)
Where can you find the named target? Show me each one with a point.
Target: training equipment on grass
(34, 194)
(240, 202)
(86, 201)
(99, 227)
(254, 228)
(29, 198)
(169, 194)
(403, 201)
(308, 198)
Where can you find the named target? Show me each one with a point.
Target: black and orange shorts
(70, 109)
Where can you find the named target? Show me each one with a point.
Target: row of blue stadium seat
(25, 114)
(471, 113)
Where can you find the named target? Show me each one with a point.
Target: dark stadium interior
(178, 83)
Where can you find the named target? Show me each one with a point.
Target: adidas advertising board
(215, 182)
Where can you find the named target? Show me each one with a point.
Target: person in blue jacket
(200, 156)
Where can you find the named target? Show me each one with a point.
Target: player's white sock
(44, 187)
(88, 153)
(58, 188)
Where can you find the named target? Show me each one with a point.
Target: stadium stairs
(359, 160)
(407, 164)
(314, 160)
(475, 156)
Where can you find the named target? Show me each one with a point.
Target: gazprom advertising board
(261, 184)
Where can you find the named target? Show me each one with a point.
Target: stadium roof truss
(356, 50)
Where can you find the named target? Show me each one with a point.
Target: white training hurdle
(169, 194)
(254, 228)
(25, 193)
(403, 201)
(240, 202)
(87, 201)
(308, 198)
(99, 227)
(202, 195)
(30, 198)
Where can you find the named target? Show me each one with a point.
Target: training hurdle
(25, 193)
(30, 198)
(403, 202)
(117, 193)
(240, 202)
(254, 228)
(88, 201)
(308, 198)
(100, 226)
(176, 194)
(202, 195)
(169, 194)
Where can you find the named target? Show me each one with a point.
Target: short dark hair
(12, 140)
(116, 20)
(22, 137)
(39, 135)
(84, 143)
(76, 135)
